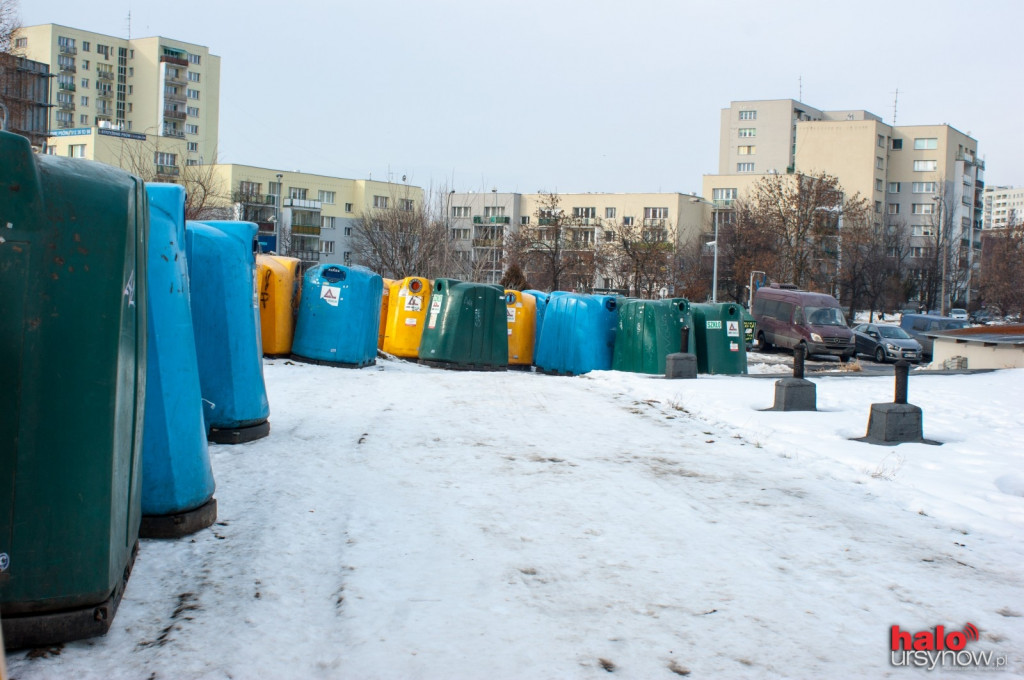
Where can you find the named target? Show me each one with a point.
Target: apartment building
(916, 175)
(306, 215)
(479, 222)
(151, 87)
(1003, 206)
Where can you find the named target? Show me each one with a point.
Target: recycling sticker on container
(435, 309)
(510, 315)
(331, 294)
(414, 303)
(732, 329)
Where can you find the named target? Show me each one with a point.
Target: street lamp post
(944, 254)
(277, 214)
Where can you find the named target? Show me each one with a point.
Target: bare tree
(693, 271)
(745, 246)
(1002, 268)
(10, 23)
(643, 256)
(204, 191)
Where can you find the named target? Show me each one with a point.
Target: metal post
(714, 274)
(277, 225)
(798, 362)
(902, 377)
(684, 338)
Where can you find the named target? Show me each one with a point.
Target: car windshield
(893, 332)
(825, 316)
(952, 325)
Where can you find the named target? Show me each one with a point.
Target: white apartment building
(1003, 206)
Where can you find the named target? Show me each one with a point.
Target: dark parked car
(984, 316)
(886, 343)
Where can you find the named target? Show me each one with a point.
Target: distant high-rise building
(1003, 206)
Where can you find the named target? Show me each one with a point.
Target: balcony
(68, 49)
(487, 243)
(105, 75)
(301, 203)
(67, 68)
(305, 230)
(177, 61)
(67, 87)
(654, 222)
(105, 94)
(172, 96)
(174, 115)
(168, 131)
(66, 106)
(105, 112)
(167, 170)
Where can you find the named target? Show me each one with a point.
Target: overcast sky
(598, 96)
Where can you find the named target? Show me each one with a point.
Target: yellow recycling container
(410, 301)
(521, 310)
(277, 284)
(384, 307)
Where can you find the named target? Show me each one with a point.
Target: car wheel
(763, 344)
(844, 358)
(880, 355)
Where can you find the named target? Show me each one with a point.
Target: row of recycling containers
(342, 316)
(132, 338)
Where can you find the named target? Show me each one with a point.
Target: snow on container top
(650, 330)
(176, 472)
(339, 316)
(226, 322)
(466, 327)
(578, 334)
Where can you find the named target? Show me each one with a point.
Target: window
(250, 189)
(893, 209)
(326, 197)
(609, 213)
(192, 94)
(924, 187)
(896, 144)
(627, 221)
(380, 202)
(65, 98)
(879, 162)
(348, 231)
(925, 166)
(894, 187)
(21, 42)
(327, 247)
(85, 100)
(327, 222)
(748, 132)
(724, 195)
(76, 150)
(164, 158)
(405, 204)
(85, 64)
(191, 129)
(748, 115)
(461, 234)
(85, 83)
(879, 185)
(194, 59)
(746, 150)
(275, 188)
(494, 211)
(193, 77)
(193, 111)
(744, 167)
(878, 206)
(881, 141)
(346, 258)
(348, 207)
(460, 211)
(83, 119)
(191, 161)
(922, 208)
(916, 251)
(297, 193)
(926, 143)
(86, 45)
(584, 213)
(193, 146)
(525, 219)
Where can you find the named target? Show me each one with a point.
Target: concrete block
(680, 365)
(795, 394)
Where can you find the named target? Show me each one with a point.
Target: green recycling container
(650, 330)
(466, 327)
(720, 345)
(72, 391)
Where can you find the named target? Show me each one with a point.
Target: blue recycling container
(578, 334)
(226, 325)
(177, 480)
(339, 316)
(542, 306)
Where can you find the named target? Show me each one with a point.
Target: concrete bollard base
(795, 394)
(891, 424)
(680, 365)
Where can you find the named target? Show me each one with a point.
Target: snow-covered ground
(406, 522)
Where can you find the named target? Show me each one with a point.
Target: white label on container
(435, 304)
(732, 329)
(734, 347)
(714, 325)
(414, 303)
(411, 321)
(433, 320)
(510, 331)
(510, 315)
(331, 294)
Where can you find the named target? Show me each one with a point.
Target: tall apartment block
(917, 175)
(1003, 206)
(151, 88)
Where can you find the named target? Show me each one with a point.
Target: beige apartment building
(154, 87)
(306, 215)
(480, 221)
(917, 175)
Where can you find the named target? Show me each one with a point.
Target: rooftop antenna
(800, 88)
(129, 21)
(895, 101)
